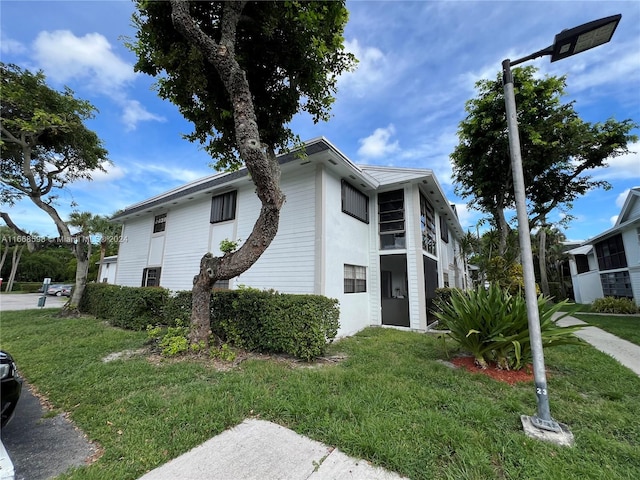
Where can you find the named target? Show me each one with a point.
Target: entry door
(394, 290)
(430, 285)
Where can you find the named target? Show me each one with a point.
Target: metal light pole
(566, 43)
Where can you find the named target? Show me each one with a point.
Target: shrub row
(614, 305)
(265, 321)
(132, 308)
(28, 287)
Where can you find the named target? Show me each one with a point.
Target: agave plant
(492, 325)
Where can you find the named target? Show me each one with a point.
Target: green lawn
(623, 326)
(391, 401)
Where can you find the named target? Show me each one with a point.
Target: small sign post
(45, 286)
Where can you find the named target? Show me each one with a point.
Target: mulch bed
(511, 377)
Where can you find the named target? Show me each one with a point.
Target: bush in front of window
(614, 305)
(132, 308)
(266, 321)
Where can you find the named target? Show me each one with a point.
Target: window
(223, 207)
(610, 253)
(355, 279)
(159, 223)
(221, 285)
(151, 277)
(582, 263)
(428, 225)
(617, 284)
(444, 230)
(355, 203)
(391, 219)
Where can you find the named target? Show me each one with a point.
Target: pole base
(562, 436)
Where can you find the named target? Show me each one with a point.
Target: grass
(391, 401)
(576, 307)
(623, 326)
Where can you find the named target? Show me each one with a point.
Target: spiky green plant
(493, 325)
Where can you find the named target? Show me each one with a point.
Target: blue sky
(419, 61)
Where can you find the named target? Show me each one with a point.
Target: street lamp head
(581, 38)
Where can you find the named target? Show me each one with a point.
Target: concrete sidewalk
(260, 450)
(625, 352)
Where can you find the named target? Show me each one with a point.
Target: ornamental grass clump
(492, 325)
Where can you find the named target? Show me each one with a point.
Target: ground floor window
(151, 277)
(355, 279)
(616, 284)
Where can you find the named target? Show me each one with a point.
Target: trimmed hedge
(266, 321)
(132, 308)
(614, 305)
(255, 320)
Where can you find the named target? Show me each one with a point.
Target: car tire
(58, 294)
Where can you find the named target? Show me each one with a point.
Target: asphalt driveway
(27, 301)
(40, 445)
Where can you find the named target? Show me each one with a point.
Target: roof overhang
(584, 250)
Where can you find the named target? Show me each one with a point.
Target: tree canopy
(239, 71)
(44, 146)
(291, 53)
(558, 148)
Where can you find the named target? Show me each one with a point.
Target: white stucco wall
(133, 251)
(346, 241)
(289, 262)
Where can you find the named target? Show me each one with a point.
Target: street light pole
(566, 43)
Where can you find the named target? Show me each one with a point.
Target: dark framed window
(610, 253)
(391, 219)
(355, 279)
(582, 263)
(616, 284)
(223, 207)
(444, 230)
(428, 225)
(354, 202)
(151, 277)
(159, 223)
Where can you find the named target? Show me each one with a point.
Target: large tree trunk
(15, 261)
(259, 159)
(503, 229)
(542, 260)
(82, 252)
(5, 251)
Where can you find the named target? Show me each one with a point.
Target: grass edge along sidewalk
(392, 401)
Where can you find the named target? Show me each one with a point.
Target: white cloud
(613, 220)
(63, 57)
(598, 69)
(622, 197)
(371, 70)
(91, 61)
(378, 143)
(112, 172)
(170, 173)
(10, 46)
(625, 167)
(134, 112)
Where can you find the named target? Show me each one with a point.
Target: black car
(10, 387)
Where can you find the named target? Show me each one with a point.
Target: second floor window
(428, 225)
(223, 207)
(159, 223)
(391, 220)
(610, 253)
(354, 202)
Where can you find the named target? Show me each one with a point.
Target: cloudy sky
(419, 61)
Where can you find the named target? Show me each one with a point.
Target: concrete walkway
(260, 450)
(625, 352)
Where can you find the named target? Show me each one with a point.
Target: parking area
(28, 301)
(40, 445)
